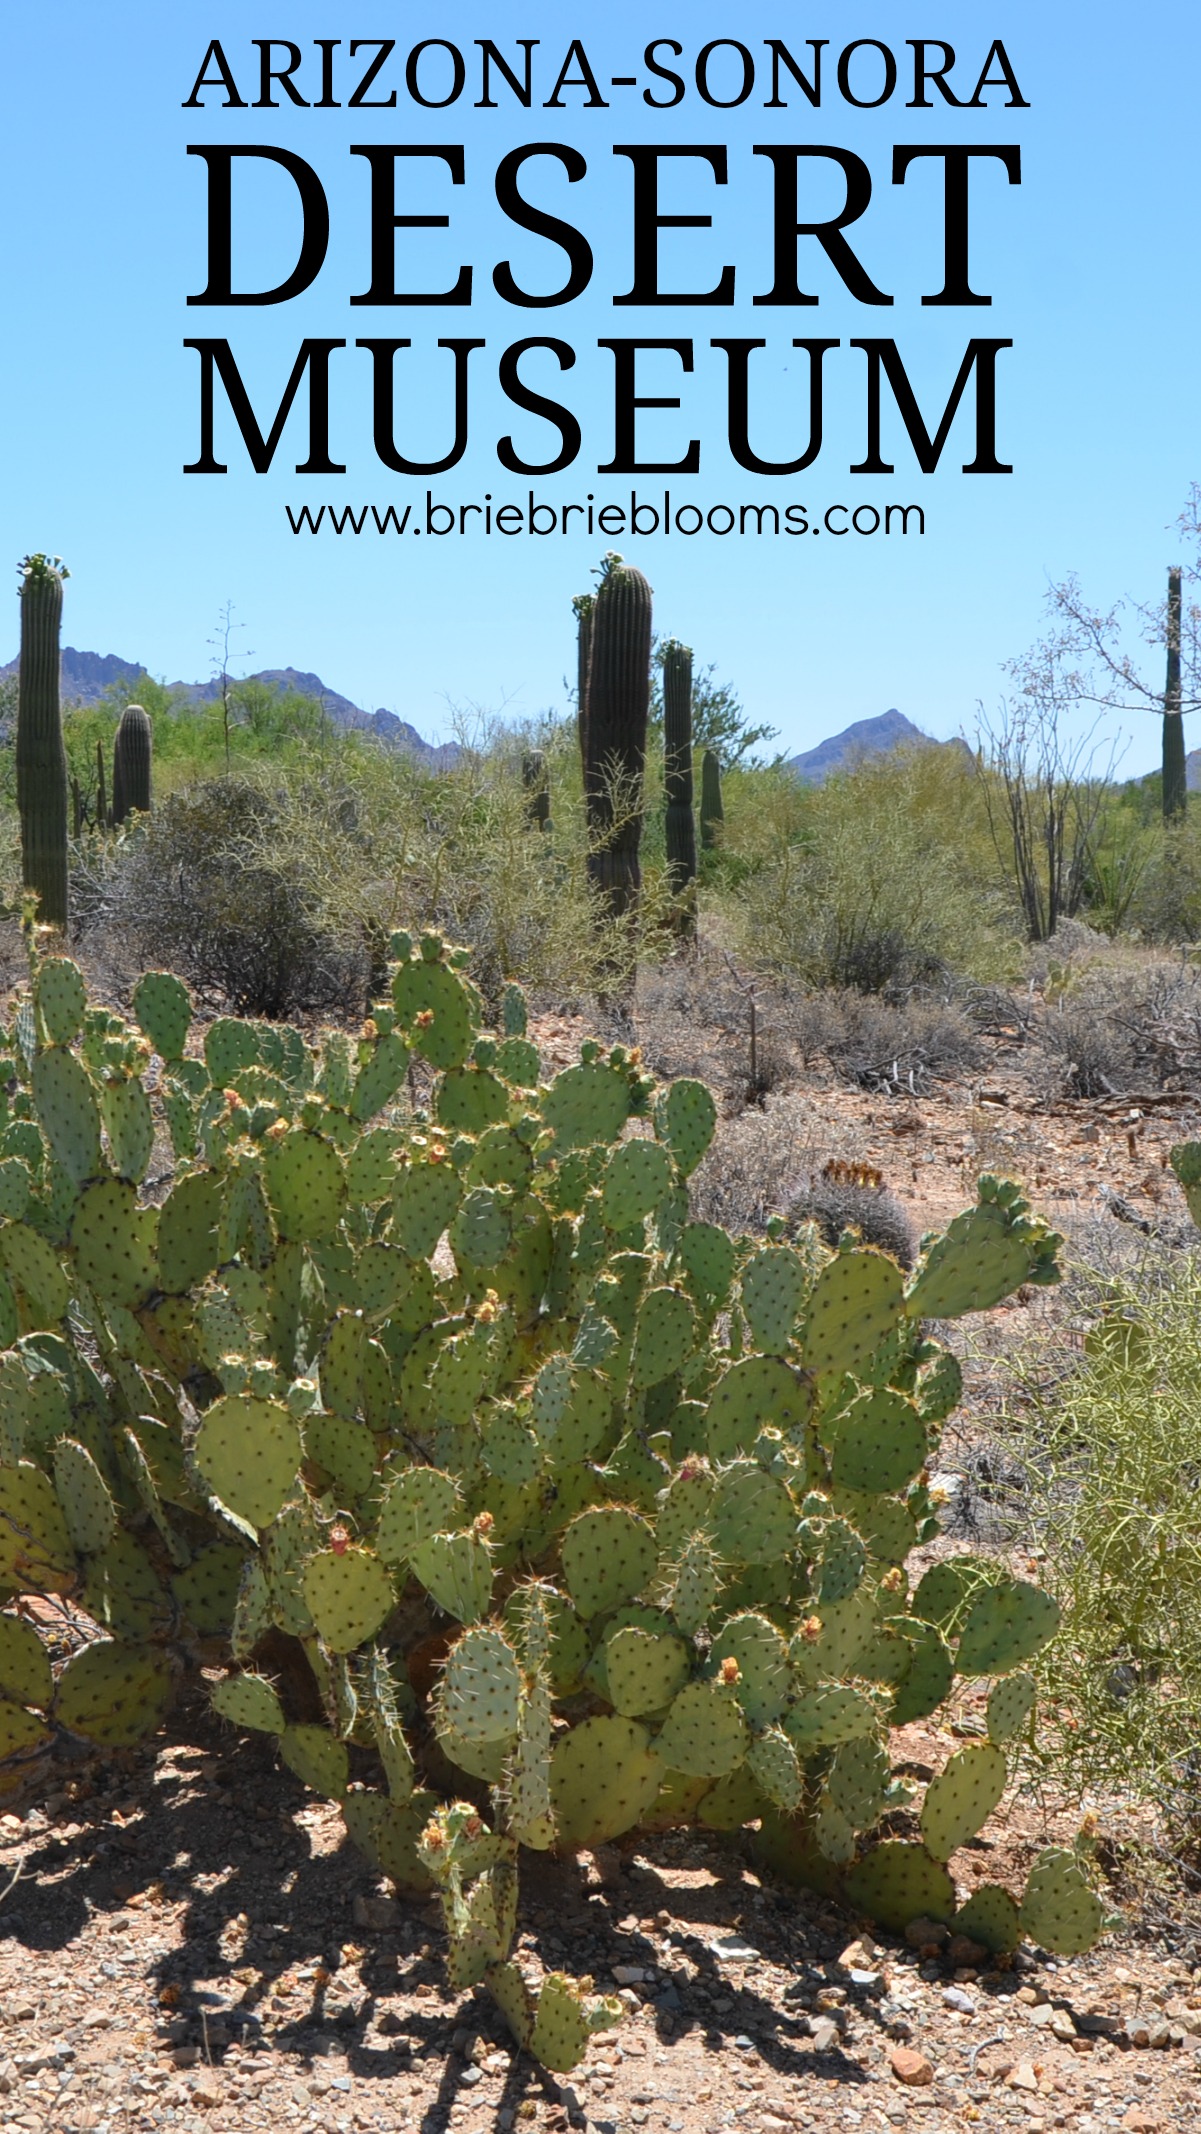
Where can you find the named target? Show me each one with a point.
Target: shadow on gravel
(150, 1832)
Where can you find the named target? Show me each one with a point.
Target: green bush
(876, 881)
(520, 1508)
(1113, 1480)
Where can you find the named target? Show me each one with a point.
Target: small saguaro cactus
(102, 814)
(41, 757)
(618, 702)
(535, 780)
(131, 764)
(679, 826)
(712, 812)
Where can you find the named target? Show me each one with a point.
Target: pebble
(470, 2076)
(955, 1997)
(824, 2032)
(910, 2067)
(733, 1948)
(745, 2044)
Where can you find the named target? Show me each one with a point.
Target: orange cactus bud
(729, 1670)
(811, 1629)
(339, 1540)
(424, 1018)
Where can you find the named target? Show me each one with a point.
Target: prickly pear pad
(248, 1450)
(608, 1557)
(604, 1776)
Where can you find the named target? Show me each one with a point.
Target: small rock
(910, 2067)
(206, 2090)
(1061, 2026)
(1140, 2122)
(926, 1933)
(858, 1955)
(8, 2077)
(628, 1974)
(966, 1954)
(1022, 2077)
(470, 2076)
(389, 2025)
(185, 2056)
(745, 2044)
(733, 1948)
(301, 2095)
(955, 1997)
(824, 2032)
(377, 1912)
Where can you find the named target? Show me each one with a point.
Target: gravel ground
(190, 1943)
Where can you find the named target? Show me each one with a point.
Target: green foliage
(877, 879)
(590, 1445)
(1112, 1481)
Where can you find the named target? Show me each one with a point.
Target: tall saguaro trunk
(619, 681)
(131, 764)
(679, 825)
(41, 757)
(1175, 770)
(582, 604)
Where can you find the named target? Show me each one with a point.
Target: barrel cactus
(131, 764)
(517, 1508)
(618, 701)
(679, 826)
(713, 813)
(41, 759)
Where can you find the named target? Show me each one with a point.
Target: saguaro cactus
(536, 782)
(41, 757)
(131, 764)
(582, 607)
(712, 812)
(617, 704)
(1175, 774)
(679, 826)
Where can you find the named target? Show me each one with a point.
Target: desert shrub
(885, 1045)
(1167, 905)
(1113, 1480)
(456, 851)
(886, 884)
(209, 886)
(761, 1156)
(1084, 1052)
(852, 1196)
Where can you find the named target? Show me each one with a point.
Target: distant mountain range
(866, 737)
(86, 676)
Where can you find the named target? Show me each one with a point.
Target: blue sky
(1086, 262)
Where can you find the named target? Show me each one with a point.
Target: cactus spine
(41, 757)
(712, 812)
(1175, 774)
(679, 827)
(131, 764)
(617, 704)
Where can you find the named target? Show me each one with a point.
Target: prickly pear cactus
(566, 1513)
